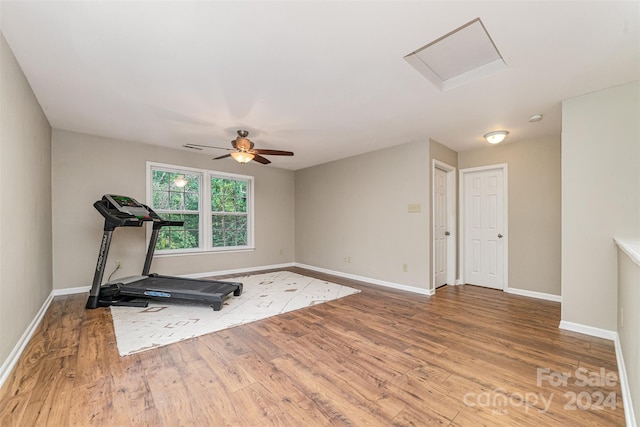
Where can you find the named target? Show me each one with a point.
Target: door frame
(451, 222)
(505, 190)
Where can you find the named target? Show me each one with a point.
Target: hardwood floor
(467, 356)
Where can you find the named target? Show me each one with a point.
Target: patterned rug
(264, 295)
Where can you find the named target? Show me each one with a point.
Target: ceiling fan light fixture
(496, 137)
(242, 156)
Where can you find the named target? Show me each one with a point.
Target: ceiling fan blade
(258, 158)
(221, 157)
(273, 152)
(207, 146)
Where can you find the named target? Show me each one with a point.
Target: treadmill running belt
(212, 292)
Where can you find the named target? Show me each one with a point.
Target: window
(229, 217)
(216, 209)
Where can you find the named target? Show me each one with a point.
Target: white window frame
(204, 209)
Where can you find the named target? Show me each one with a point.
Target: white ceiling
(326, 80)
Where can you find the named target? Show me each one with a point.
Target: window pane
(218, 238)
(160, 200)
(191, 222)
(176, 201)
(241, 205)
(230, 237)
(160, 180)
(192, 239)
(163, 240)
(242, 239)
(229, 222)
(216, 186)
(177, 239)
(228, 186)
(229, 204)
(191, 201)
(242, 222)
(216, 203)
(241, 188)
(192, 183)
(216, 222)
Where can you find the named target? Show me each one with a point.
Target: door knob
(446, 233)
(499, 236)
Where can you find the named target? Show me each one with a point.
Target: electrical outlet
(405, 267)
(347, 259)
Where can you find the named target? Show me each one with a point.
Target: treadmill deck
(157, 286)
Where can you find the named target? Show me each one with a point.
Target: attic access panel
(463, 55)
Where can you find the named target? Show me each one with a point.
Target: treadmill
(123, 211)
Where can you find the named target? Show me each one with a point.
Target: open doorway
(443, 231)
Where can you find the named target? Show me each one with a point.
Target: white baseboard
(399, 286)
(622, 370)
(71, 291)
(83, 289)
(588, 330)
(14, 356)
(237, 271)
(629, 415)
(534, 294)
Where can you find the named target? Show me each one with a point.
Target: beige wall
(25, 203)
(534, 209)
(85, 167)
(600, 199)
(444, 154)
(358, 208)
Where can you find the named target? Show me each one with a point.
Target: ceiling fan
(243, 151)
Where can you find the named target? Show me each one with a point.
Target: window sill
(190, 253)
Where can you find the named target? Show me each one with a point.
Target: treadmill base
(157, 287)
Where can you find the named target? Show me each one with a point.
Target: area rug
(264, 295)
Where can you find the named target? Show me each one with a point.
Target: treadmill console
(124, 211)
(128, 205)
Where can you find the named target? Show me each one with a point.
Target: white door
(484, 228)
(440, 232)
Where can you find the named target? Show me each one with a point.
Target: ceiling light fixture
(535, 118)
(180, 181)
(496, 137)
(242, 156)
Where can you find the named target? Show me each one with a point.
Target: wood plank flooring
(467, 356)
